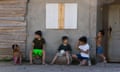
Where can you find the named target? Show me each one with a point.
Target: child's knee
(43, 52)
(74, 56)
(67, 53)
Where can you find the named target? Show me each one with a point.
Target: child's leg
(83, 62)
(15, 60)
(74, 56)
(20, 59)
(30, 56)
(54, 59)
(77, 57)
(100, 53)
(67, 57)
(43, 57)
(103, 57)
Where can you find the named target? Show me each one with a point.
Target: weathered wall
(12, 26)
(86, 24)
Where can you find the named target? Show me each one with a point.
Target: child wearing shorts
(83, 48)
(38, 47)
(100, 50)
(64, 49)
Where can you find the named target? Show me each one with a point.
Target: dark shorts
(81, 57)
(100, 50)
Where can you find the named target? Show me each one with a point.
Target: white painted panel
(70, 16)
(52, 16)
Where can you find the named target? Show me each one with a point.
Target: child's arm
(32, 45)
(70, 48)
(59, 48)
(44, 42)
(44, 47)
(87, 51)
(77, 45)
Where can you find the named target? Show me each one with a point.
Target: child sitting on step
(38, 49)
(64, 49)
(83, 48)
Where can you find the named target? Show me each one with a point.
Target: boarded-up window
(61, 16)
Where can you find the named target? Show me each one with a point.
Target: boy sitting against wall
(38, 47)
(83, 48)
(64, 49)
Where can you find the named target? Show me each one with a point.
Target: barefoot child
(17, 56)
(64, 49)
(83, 48)
(100, 51)
(38, 47)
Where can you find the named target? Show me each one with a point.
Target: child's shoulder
(43, 39)
(65, 45)
(87, 45)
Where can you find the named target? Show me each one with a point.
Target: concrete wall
(87, 10)
(99, 15)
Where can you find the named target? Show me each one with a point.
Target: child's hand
(81, 50)
(77, 45)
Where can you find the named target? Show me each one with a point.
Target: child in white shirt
(83, 48)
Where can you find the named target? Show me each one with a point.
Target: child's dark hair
(14, 46)
(102, 32)
(83, 39)
(65, 38)
(38, 33)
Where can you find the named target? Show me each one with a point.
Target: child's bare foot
(31, 63)
(51, 63)
(105, 61)
(68, 63)
(43, 63)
